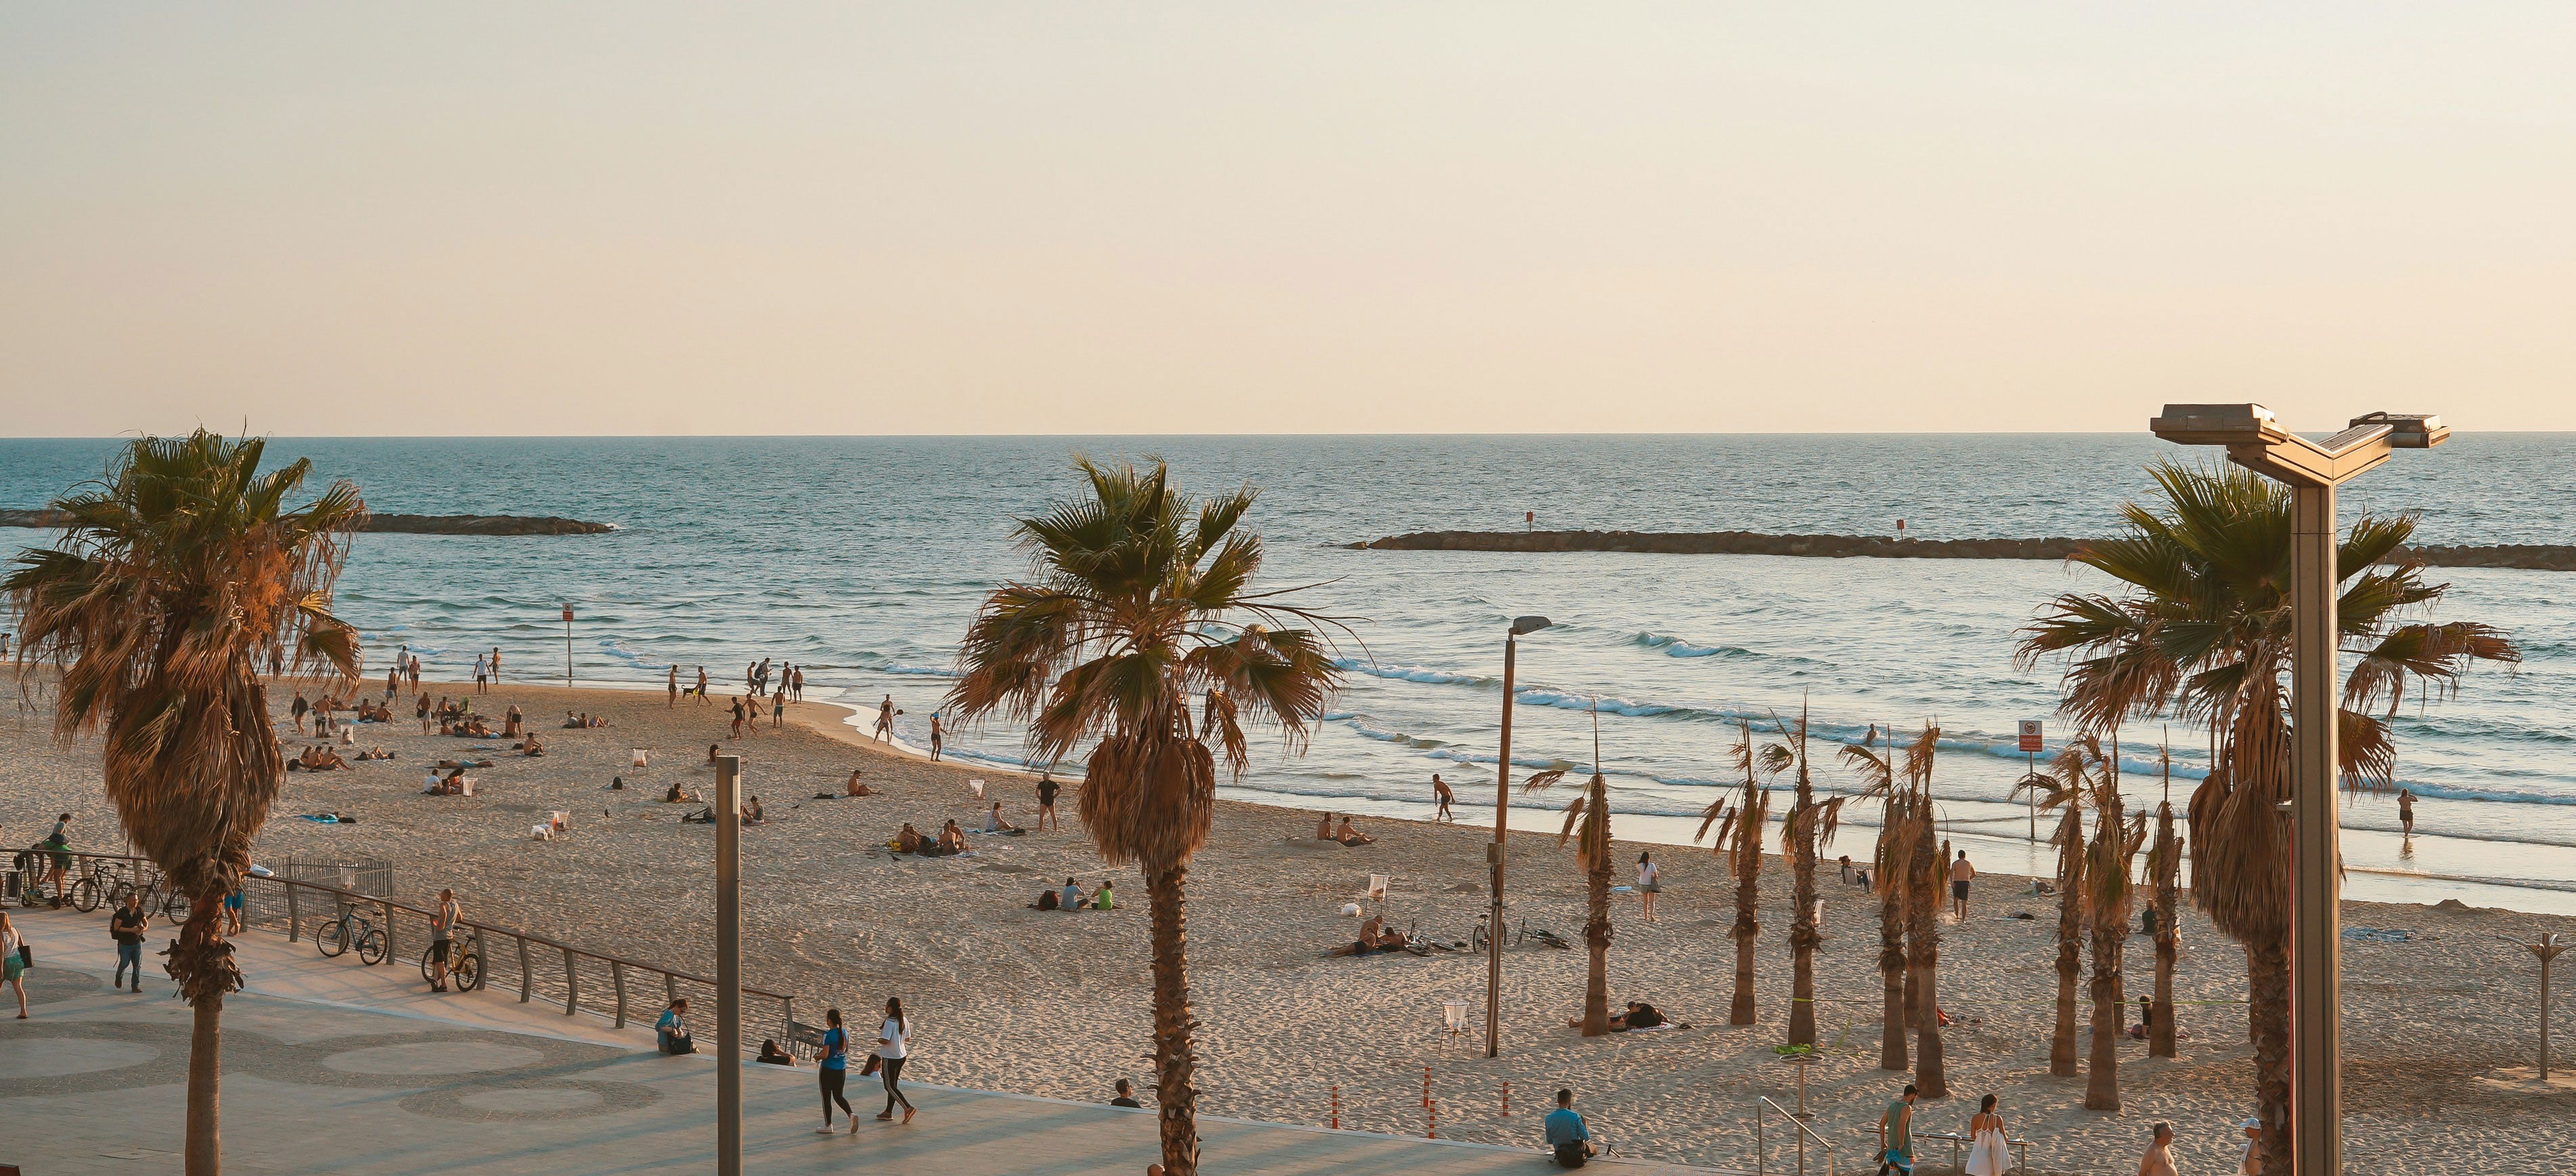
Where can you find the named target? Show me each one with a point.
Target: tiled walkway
(330, 1067)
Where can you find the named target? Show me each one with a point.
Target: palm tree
(1140, 600)
(2164, 867)
(1739, 838)
(1878, 779)
(2201, 630)
(1923, 892)
(2063, 785)
(1591, 811)
(2106, 917)
(176, 574)
(1811, 824)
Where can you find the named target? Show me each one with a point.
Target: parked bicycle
(350, 929)
(464, 963)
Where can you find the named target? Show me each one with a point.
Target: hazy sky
(519, 218)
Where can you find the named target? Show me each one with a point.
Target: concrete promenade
(332, 1067)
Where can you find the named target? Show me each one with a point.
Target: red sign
(2030, 735)
(567, 614)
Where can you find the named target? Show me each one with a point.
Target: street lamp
(1494, 852)
(2312, 470)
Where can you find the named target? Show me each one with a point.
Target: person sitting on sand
(1072, 897)
(712, 750)
(1350, 836)
(572, 722)
(995, 822)
(532, 748)
(854, 787)
(771, 1055)
(1104, 899)
(1048, 900)
(671, 1033)
(677, 793)
(330, 761)
(1324, 828)
(952, 840)
(908, 841)
(1373, 937)
(1640, 1015)
(753, 814)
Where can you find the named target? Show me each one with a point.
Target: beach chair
(560, 821)
(1453, 1016)
(465, 785)
(637, 754)
(978, 787)
(1377, 888)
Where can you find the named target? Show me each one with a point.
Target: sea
(861, 559)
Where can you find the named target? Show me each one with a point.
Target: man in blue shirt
(1565, 1133)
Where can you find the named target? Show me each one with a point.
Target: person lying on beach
(771, 1055)
(376, 753)
(994, 822)
(1350, 836)
(574, 722)
(449, 765)
(1640, 1015)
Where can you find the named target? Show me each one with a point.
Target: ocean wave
(617, 649)
(1423, 674)
(1676, 647)
(920, 671)
(2489, 795)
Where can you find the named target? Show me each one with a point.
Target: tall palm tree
(1140, 600)
(1739, 838)
(1591, 812)
(2106, 892)
(1811, 824)
(2064, 784)
(1878, 780)
(2201, 629)
(176, 575)
(1923, 894)
(2164, 868)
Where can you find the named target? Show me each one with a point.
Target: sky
(884, 218)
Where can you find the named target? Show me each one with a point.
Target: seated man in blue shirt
(1566, 1135)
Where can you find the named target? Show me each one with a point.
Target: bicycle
(98, 881)
(464, 964)
(351, 929)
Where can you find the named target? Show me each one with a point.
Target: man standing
(702, 687)
(298, 709)
(671, 685)
(482, 673)
(885, 719)
(58, 858)
(128, 928)
(1896, 1135)
(496, 665)
(1440, 792)
(442, 938)
(1047, 788)
(2406, 810)
(2159, 1158)
(1566, 1134)
(737, 718)
(1961, 873)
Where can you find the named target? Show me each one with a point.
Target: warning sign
(2030, 735)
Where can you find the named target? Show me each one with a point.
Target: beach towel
(2378, 935)
(320, 818)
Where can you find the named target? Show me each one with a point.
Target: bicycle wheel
(85, 894)
(426, 975)
(117, 894)
(467, 971)
(333, 938)
(371, 947)
(176, 908)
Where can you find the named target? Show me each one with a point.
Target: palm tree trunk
(1923, 956)
(2267, 972)
(1895, 1004)
(1747, 927)
(1173, 1065)
(2160, 1035)
(1596, 938)
(1929, 1073)
(2102, 1084)
(198, 941)
(1803, 938)
(2070, 964)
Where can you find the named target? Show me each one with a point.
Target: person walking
(1648, 883)
(834, 1069)
(778, 710)
(1896, 1134)
(934, 738)
(892, 1039)
(737, 718)
(702, 687)
(1986, 1155)
(128, 927)
(13, 961)
(2406, 811)
(1567, 1137)
(298, 709)
(1047, 789)
(798, 674)
(442, 938)
(671, 686)
(885, 719)
(1441, 795)
(1961, 873)
(2159, 1158)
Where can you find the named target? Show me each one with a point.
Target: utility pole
(728, 963)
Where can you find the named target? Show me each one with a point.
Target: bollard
(1507, 1098)
(1337, 1107)
(1430, 1114)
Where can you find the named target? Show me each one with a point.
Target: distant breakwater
(2539, 557)
(400, 524)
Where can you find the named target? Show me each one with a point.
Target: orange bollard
(1337, 1106)
(1430, 1114)
(1507, 1098)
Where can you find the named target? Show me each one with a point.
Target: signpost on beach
(2312, 470)
(1502, 827)
(567, 615)
(728, 962)
(2030, 743)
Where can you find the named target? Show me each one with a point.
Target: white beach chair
(637, 753)
(559, 820)
(1453, 1016)
(465, 785)
(978, 786)
(1377, 888)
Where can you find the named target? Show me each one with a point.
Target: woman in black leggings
(890, 1051)
(832, 1069)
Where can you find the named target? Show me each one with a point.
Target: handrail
(672, 977)
(1805, 1133)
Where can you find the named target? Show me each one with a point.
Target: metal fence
(302, 899)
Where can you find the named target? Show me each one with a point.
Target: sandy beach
(1010, 998)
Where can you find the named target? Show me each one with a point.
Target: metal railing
(555, 970)
(1804, 1134)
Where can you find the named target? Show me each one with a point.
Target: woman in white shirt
(1647, 885)
(891, 1038)
(14, 966)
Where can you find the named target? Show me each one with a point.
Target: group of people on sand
(582, 721)
(950, 842)
(671, 684)
(321, 758)
(1324, 831)
(1989, 1143)
(1073, 898)
(1373, 938)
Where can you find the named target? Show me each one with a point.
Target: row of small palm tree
(2201, 630)
(1739, 841)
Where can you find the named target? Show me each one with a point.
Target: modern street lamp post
(1502, 826)
(2312, 470)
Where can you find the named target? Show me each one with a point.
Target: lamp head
(2217, 424)
(2408, 430)
(1522, 626)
